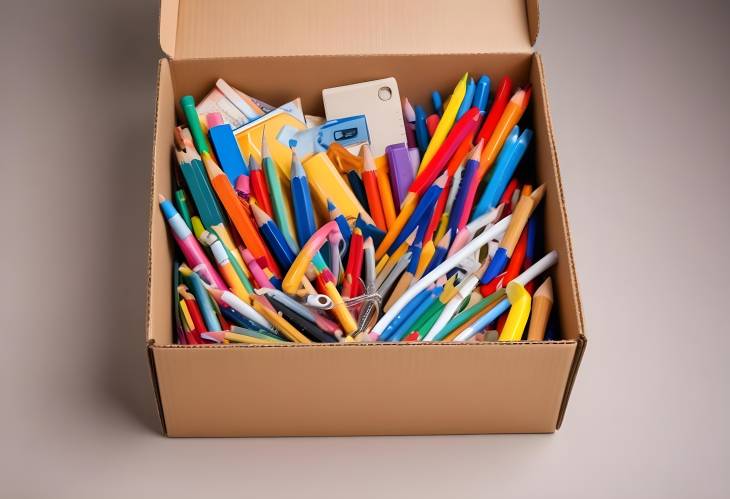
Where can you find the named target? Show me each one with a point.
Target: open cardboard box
(355, 389)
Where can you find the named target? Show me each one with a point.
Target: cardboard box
(279, 50)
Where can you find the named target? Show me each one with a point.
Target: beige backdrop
(639, 100)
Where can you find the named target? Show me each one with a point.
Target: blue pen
(468, 98)
(481, 94)
(201, 297)
(512, 151)
(274, 238)
(438, 103)
(422, 138)
(407, 324)
(302, 201)
(407, 310)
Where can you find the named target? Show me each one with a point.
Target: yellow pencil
(278, 321)
(446, 122)
(426, 254)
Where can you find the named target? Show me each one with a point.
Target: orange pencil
(386, 194)
(243, 223)
(370, 179)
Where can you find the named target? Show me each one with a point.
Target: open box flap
(194, 29)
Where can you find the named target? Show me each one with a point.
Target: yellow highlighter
(520, 300)
(446, 122)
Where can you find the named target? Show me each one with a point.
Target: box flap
(193, 29)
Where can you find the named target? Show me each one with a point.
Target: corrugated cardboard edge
(533, 19)
(151, 341)
(582, 340)
(167, 33)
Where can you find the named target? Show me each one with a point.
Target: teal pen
(407, 324)
(201, 296)
(191, 115)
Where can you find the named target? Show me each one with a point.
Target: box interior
(279, 79)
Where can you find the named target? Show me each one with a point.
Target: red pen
(461, 129)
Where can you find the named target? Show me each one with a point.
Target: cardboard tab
(192, 29)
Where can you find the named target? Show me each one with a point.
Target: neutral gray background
(639, 101)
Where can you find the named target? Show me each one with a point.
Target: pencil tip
(330, 205)
(477, 151)
(216, 336)
(162, 198)
(264, 144)
(259, 215)
(252, 163)
(297, 170)
(368, 163)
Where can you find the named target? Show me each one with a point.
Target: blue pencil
(470, 169)
(274, 238)
(302, 201)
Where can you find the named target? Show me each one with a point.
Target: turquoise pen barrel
(191, 115)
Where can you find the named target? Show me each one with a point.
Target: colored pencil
(279, 202)
(274, 238)
(240, 219)
(542, 304)
(259, 189)
(351, 286)
(302, 200)
(370, 181)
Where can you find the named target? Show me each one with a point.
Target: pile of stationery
(376, 222)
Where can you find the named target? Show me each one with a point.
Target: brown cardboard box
(278, 50)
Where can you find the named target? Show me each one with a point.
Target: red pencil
(259, 189)
(372, 191)
(351, 282)
(500, 102)
(461, 129)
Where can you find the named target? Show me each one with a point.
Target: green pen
(191, 115)
(182, 206)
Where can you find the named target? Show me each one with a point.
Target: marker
(191, 115)
(501, 97)
(438, 104)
